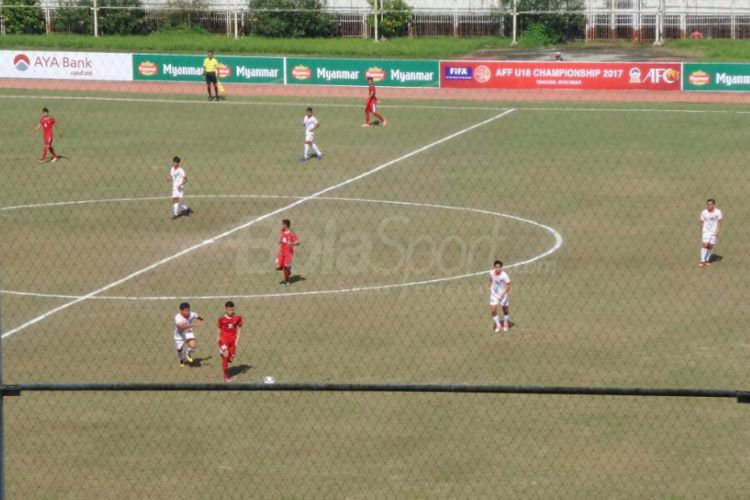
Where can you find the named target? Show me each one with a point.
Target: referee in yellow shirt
(211, 70)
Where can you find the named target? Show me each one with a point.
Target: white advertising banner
(41, 64)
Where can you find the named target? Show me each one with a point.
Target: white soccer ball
(269, 379)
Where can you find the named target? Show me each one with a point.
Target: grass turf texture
(197, 42)
(622, 303)
(437, 47)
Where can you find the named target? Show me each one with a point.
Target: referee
(210, 71)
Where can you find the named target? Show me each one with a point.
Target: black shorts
(210, 77)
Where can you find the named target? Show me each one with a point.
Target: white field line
(143, 198)
(357, 106)
(550, 251)
(247, 102)
(252, 222)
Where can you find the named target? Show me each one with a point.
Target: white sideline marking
(357, 106)
(249, 102)
(197, 246)
(553, 249)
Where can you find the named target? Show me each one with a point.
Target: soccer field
(593, 208)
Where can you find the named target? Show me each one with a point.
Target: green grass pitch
(621, 302)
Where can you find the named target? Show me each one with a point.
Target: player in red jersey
(372, 105)
(47, 123)
(287, 241)
(229, 336)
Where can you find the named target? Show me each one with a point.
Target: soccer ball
(269, 379)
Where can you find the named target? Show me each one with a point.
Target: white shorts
(710, 238)
(181, 338)
(496, 300)
(177, 194)
(309, 137)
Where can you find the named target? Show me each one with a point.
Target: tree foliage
(291, 19)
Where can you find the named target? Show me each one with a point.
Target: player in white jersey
(710, 222)
(178, 178)
(500, 286)
(311, 124)
(183, 333)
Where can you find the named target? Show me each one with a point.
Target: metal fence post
(47, 21)
(96, 18)
(2, 400)
(515, 22)
(375, 17)
(659, 24)
(236, 23)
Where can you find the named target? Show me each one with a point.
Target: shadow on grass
(198, 362)
(239, 370)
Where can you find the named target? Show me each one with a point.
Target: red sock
(379, 117)
(44, 152)
(287, 273)
(225, 366)
(367, 117)
(52, 152)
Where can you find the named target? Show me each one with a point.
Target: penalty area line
(252, 222)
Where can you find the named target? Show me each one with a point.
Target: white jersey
(180, 319)
(499, 282)
(178, 177)
(310, 123)
(710, 221)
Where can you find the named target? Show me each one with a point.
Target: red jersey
(47, 123)
(229, 326)
(287, 239)
(371, 90)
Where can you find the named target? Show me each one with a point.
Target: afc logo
(655, 76)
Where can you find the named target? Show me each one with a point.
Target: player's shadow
(239, 370)
(198, 362)
(294, 279)
(715, 258)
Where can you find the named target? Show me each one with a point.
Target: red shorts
(284, 260)
(48, 141)
(371, 106)
(230, 343)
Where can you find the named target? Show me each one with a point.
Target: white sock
(307, 150)
(507, 318)
(182, 205)
(704, 254)
(496, 319)
(315, 148)
(709, 253)
(175, 209)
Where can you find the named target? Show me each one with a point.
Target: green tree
(122, 17)
(75, 16)
(22, 17)
(184, 14)
(560, 20)
(394, 20)
(291, 19)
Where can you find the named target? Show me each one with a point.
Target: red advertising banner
(559, 75)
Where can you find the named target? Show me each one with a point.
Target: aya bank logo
(21, 62)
